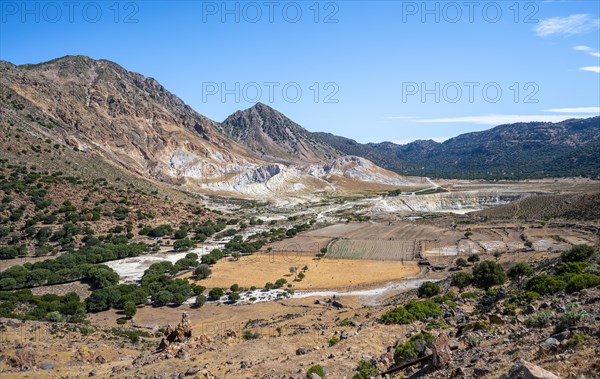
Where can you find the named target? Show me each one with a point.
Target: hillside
(565, 206)
(568, 148)
(112, 117)
(97, 106)
(271, 134)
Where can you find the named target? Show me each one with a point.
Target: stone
(527, 370)
(47, 366)
(192, 371)
(441, 350)
(337, 304)
(182, 354)
(92, 373)
(550, 343)
(243, 365)
(300, 351)
(315, 376)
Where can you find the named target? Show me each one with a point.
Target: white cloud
(567, 26)
(591, 68)
(499, 119)
(588, 50)
(574, 110)
(582, 48)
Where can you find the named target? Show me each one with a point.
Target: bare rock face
(441, 351)
(527, 370)
(179, 334)
(272, 135)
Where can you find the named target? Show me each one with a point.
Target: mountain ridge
(566, 148)
(99, 108)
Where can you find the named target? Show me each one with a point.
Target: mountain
(273, 136)
(567, 148)
(114, 120)
(130, 120)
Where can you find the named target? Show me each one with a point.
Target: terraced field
(373, 250)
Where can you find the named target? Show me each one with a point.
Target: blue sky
(372, 71)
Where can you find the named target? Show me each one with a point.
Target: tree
(497, 255)
(216, 293)
(488, 274)
(130, 309)
(200, 301)
(234, 296)
(269, 286)
(519, 272)
(163, 297)
(202, 271)
(461, 262)
(102, 299)
(183, 244)
(461, 280)
(473, 258)
(234, 288)
(578, 253)
(428, 289)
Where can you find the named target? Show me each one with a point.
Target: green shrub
(571, 317)
(469, 295)
(572, 268)
(545, 284)
(540, 319)
(578, 253)
(249, 335)
(412, 311)
(365, 370)
(582, 281)
(316, 369)
(413, 348)
(428, 289)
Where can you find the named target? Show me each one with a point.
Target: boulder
(441, 350)
(47, 366)
(550, 343)
(527, 370)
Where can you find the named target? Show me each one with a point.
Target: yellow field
(258, 269)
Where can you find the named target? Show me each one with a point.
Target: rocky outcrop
(527, 370)
(179, 334)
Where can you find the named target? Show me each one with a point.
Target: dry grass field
(374, 250)
(325, 273)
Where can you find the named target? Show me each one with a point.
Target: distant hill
(514, 151)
